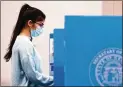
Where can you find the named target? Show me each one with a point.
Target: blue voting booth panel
(93, 50)
(58, 57)
(51, 56)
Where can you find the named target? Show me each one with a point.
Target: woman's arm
(26, 56)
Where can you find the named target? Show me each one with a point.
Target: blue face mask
(36, 32)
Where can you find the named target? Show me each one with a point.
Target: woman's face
(36, 24)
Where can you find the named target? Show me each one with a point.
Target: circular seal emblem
(106, 68)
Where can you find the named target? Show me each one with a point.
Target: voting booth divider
(88, 51)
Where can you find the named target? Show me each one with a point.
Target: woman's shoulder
(24, 42)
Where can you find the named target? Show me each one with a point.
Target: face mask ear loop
(30, 35)
(31, 39)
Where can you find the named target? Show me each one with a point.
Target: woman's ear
(30, 23)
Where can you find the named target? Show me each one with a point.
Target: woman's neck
(26, 32)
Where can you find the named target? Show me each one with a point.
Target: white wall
(55, 12)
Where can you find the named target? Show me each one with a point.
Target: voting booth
(88, 51)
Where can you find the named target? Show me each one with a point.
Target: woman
(26, 68)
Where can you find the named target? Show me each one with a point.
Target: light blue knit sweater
(26, 65)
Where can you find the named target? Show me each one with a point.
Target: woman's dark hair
(26, 13)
